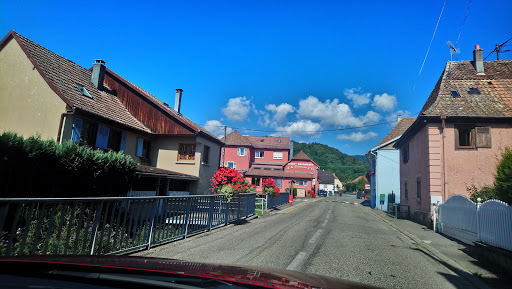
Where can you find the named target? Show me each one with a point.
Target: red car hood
(265, 277)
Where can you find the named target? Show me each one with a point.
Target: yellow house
(46, 94)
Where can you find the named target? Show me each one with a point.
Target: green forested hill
(346, 167)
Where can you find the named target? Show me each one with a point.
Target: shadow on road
(366, 203)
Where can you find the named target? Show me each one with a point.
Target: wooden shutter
(77, 129)
(123, 142)
(102, 136)
(140, 143)
(483, 137)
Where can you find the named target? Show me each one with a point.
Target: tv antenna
(453, 49)
(499, 50)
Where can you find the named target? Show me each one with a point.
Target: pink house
(459, 135)
(269, 157)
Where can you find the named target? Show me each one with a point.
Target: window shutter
(123, 142)
(77, 129)
(102, 136)
(483, 137)
(140, 143)
(238, 151)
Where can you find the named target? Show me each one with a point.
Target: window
(187, 152)
(115, 139)
(471, 137)
(301, 183)
(142, 148)
(259, 155)
(89, 133)
(278, 155)
(230, 165)
(82, 90)
(241, 152)
(454, 93)
(418, 188)
(405, 154)
(406, 192)
(206, 154)
(256, 181)
(267, 169)
(278, 182)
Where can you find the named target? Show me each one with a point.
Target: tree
(360, 184)
(503, 177)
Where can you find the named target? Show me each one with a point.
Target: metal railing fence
(111, 225)
(278, 200)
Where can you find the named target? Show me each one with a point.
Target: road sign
(366, 186)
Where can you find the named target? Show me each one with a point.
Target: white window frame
(277, 155)
(239, 151)
(227, 165)
(259, 154)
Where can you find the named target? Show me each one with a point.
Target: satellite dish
(453, 49)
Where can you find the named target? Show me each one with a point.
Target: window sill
(205, 164)
(186, 162)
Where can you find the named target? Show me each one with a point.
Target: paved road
(329, 236)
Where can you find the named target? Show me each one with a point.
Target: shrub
(485, 193)
(270, 187)
(230, 182)
(503, 177)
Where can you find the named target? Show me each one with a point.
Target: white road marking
(295, 263)
(324, 223)
(316, 235)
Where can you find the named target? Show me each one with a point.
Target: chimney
(98, 73)
(478, 60)
(177, 100)
(398, 118)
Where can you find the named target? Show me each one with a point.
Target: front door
(301, 193)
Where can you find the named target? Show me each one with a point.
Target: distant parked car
(322, 193)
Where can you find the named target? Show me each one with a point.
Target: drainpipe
(445, 179)
(60, 124)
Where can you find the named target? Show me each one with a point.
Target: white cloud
(384, 102)
(357, 136)
(393, 118)
(299, 128)
(334, 113)
(216, 128)
(357, 99)
(237, 109)
(278, 114)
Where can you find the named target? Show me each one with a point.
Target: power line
(426, 54)
(463, 22)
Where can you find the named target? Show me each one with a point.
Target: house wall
(242, 163)
(417, 166)
(387, 176)
(28, 105)
(305, 166)
(164, 155)
(268, 156)
(206, 171)
(474, 166)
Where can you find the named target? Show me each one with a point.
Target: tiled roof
(487, 95)
(358, 178)
(158, 171)
(235, 138)
(398, 130)
(269, 142)
(278, 174)
(302, 156)
(63, 74)
(325, 177)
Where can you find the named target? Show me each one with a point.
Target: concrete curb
(444, 260)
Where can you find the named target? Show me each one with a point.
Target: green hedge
(33, 167)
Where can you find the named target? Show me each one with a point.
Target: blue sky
(287, 68)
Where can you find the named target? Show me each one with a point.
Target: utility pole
(224, 148)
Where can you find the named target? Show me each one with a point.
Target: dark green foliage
(503, 177)
(360, 184)
(350, 187)
(485, 193)
(34, 167)
(345, 167)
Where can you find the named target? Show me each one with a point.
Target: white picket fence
(467, 221)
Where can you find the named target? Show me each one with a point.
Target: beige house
(46, 94)
(459, 135)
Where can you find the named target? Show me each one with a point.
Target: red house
(259, 158)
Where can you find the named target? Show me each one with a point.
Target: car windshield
(265, 143)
